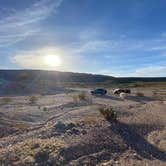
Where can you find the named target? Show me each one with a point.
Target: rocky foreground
(58, 130)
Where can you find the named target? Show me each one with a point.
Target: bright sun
(52, 60)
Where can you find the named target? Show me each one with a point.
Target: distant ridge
(37, 81)
(14, 75)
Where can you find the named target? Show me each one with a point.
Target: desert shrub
(140, 94)
(82, 96)
(33, 99)
(154, 93)
(75, 98)
(45, 109)
(6, 99)
(108, 113)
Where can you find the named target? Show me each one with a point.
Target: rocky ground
(64, 130)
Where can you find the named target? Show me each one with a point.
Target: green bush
(140, 94)
(33, 99)
(108, 113)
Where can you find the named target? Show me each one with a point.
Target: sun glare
(52, 60)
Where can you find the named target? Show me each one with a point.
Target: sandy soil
(58, 130)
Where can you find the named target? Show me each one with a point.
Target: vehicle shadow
(110, 97)
(136, 141)
(139, 99)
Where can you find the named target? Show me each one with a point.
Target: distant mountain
(38, 81)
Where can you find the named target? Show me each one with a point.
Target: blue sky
(113, 37)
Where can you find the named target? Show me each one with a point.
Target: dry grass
(139, 94)
(82, 96)
(75, 98)
(21, 126)
(33, 99)
(108, 113)
(6, 99)
(90, 119)
(160, 95)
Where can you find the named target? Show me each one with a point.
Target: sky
(122, 38)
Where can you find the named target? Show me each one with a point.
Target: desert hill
(40, 81)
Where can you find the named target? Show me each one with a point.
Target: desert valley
(67, 127)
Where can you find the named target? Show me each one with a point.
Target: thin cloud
(22, 24)
(90, 41)
(121, 45)
(149, 71)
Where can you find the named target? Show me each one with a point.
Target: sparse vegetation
(33, 99)
(6, 99)
(45, 109)
(82, 96)
(33, 152)
(75, 98)
(90, 119)
(159, 95)
(139, 94)
(31, 135)
(108, 113)
(21, 126)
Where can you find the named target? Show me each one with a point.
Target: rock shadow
(132, 135)
(114, 139)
